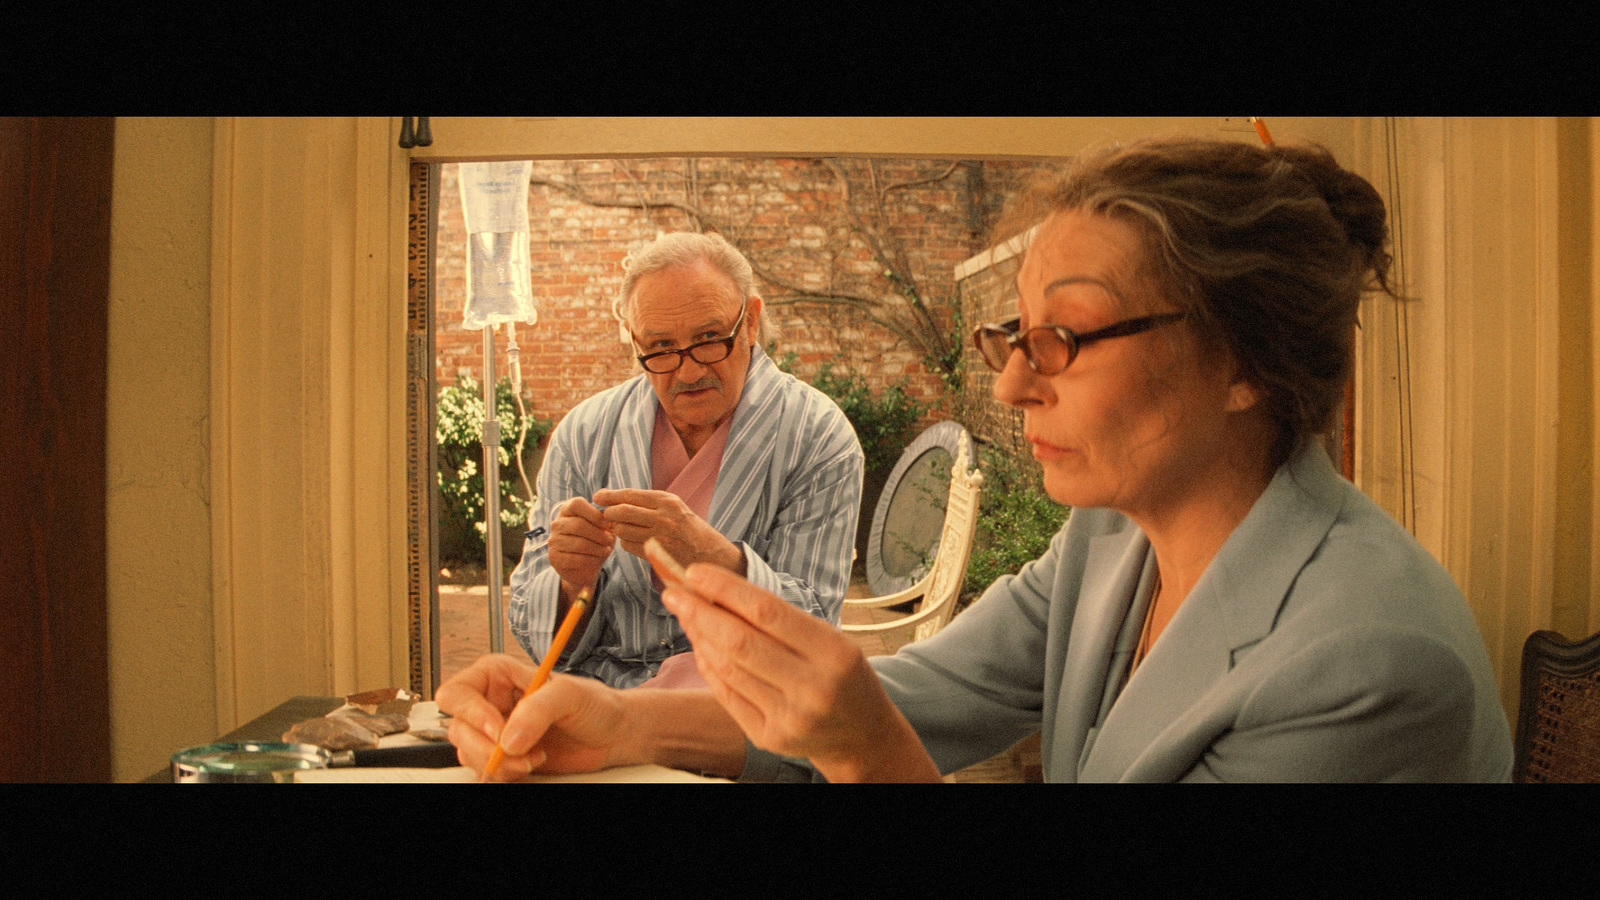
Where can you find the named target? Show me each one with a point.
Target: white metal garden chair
(940, 588)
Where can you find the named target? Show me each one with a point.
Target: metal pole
(491, 492)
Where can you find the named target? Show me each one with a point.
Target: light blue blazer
(1323, 643)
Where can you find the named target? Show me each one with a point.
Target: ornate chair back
(1558, 722)
(940, 588)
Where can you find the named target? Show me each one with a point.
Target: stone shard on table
(379, 725)
(332, 733)
(386, 701)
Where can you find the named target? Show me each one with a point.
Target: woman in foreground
(1220, 606)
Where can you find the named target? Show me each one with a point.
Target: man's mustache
(707, 383)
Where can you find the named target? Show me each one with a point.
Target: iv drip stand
(491, 492)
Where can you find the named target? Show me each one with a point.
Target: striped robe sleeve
(804, 553)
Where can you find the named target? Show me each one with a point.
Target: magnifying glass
(270, 762)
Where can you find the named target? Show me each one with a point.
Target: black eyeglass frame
(689, 351)
(1019, 340)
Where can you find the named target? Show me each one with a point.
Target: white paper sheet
(464, 775)
(425, 714)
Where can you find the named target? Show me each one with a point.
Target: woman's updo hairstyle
(1267, 248)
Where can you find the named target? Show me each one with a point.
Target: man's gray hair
(684, 248)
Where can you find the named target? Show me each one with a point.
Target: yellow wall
(255, 410)
(1492, 460)
(306, 402)
(158, 533)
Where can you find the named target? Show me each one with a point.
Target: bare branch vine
(890, 253)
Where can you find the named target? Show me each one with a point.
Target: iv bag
(494, 202)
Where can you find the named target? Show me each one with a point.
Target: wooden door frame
(55, 271)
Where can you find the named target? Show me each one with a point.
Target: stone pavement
(464, 636)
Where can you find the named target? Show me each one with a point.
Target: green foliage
(1016, 520)
(460, 435)
(883, 421)
(951, 364)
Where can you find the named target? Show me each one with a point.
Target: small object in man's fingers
(672, 573)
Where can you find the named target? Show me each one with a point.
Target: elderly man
(711, 450)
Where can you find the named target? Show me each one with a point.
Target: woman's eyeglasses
(1049, 349)
(705, 353)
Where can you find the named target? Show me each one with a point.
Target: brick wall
(789, 213)
(989, 294)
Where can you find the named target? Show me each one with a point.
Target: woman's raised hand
(796, 685)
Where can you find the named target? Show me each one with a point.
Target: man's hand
(580, 542)
(635, 516)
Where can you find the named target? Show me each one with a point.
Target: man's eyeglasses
(1049, 349)
(704, 353)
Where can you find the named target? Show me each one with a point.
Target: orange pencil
(539, 677)
(1261, 130)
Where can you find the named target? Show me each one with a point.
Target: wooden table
(269, 726)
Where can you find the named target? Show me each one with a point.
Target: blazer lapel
(1111, 572)
(1190, 657)
(1162, 723)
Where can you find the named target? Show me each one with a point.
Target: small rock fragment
(379, 725)
(332, 733)
(386, 701)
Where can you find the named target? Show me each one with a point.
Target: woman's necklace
(1149, 619)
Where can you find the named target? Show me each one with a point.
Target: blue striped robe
(789, 491)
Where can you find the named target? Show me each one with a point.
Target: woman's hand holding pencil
(542, 674)
(494, 734)
(572, 724)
